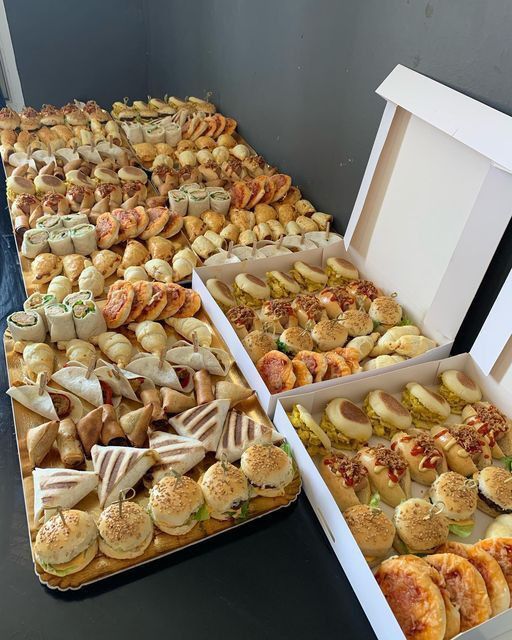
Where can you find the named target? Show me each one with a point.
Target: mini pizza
(276, 369)
(501, 550)
(119, 303)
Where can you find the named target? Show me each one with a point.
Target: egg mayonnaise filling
(420, 413)
(306, 283)
(245, 298)
(456, 403)
(380, 427)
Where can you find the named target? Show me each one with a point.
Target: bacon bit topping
(106, 189)
(392, 460)
(91, 106)
(310, 305)
(49, 110)
(424, 446)
(467, 438)
(29, 112)
(351, 471)
(70, 108)
(7, 113)
(278, 308)
(364, 288)
(339, 295)
(52, 199)
(241, 315)
(132, 187)
(77, 192)
(489, 422)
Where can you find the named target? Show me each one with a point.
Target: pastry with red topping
(419, 450)
(388, 473)
(492, 425)
(346, 478)
(465, 450)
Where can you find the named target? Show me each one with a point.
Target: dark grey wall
(80, 49)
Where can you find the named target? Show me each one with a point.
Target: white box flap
(431, 186)
(492, 349)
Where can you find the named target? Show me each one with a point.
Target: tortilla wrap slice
(178, 454)
(28, 396)
(241, 432)
(116, 379)
(40, 440)
(204, 423)
(120, 468)
(216, 361)
(60, 488)
(160, 372)
(74, 378)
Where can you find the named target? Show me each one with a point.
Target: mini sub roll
(74, 219)
(38, 302)
(425, 460)
(27, 326)
(220, 201)
(84, 239)
(88, 319)
(60, 242)
(178, 202)
(35, 241)
(60, 322)
(388, 473)
(346, 478)
(494, 426)
(464, 449)
(203, 387)
(198, 202)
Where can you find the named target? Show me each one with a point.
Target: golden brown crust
(176, 296)
(501, 550)
(119, 303)
(156, 303)
(276, 369)
(190, 306)
(142, 292)
(107, 230)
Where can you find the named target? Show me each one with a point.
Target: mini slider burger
(492, 425)
(293, 340)
(176, 505)
(221, 293)
(457, 496)
(387, 415)
(346, 425)
(309, 277)
(346, 478)
(458, 390)
(66, 543)
(269, 469)
(312, 436)
(250, 290)
(495, 491)
(340, 271)
(278, 315)
(427, 408)
(373, 531)
(282, 285)
(125, 530)
(420, 526)
(328, 335)
(226, 491)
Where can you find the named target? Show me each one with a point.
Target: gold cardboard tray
(162, 544)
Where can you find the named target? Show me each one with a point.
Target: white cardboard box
(432, 207)
(490, 365)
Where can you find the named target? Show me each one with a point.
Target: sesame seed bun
(328, 335)
(385, 310)
(172, 503)
(461, 385)
(268, 468)
(349, 419)
(495, 491)
(418, 527)
(357, 322)
(224, 487)
(429, 399)
(127, 535)
(295, 339)
(221, 293)
(389, 409)
(60, 544)
(252, 285)
(372, 529)
(457, 495)
(258, 343)
(343, 268)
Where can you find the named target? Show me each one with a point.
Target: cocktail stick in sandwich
(419, 450)
(346, 424)
(244, 320)
(226, 491)
(372, 529)
(492, 425)
(125, 530)
(457, 496)
(464, 449)
(388, 473)
(66, 543)
(458, 390)
(346, 478)
(38, 358)
(427, 408)
(176, 505)
(420, 526)
(278, 315)
(269, 469)
(312, 436)
(387, 415)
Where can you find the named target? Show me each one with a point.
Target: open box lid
(435, 198)
(492, 349)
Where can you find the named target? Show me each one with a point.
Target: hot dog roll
(220, 201)
(203, 387)
(60, 322)
(198, 202)
(88, 319)
(60, 287)
(60, 242)
(38, 302)
(178, 202)
(112, 433)
(35, 241)
(388, 473)
(68, 444)
(84, 239)
(27, 326)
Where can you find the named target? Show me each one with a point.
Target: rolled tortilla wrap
(35, 241)
(60, 322)
(74, 220)
(198, 202)
(27, 325)
(178, 202)
(88, 319)
(84, 239)
(172, 133)
(38, 302)
(220, 201)
(60, 242)
(83, 295)
(49, 222)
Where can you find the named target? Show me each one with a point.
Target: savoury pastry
(501, 550)
(134, 255)
(73, 266)
(176, 296)
(160, 248)
(119, 302)
(107, 230)
(190, 306)
(128, 223)
(156, 303)
(158, 218)
(142, 292)
(46, 266)
(106, 262)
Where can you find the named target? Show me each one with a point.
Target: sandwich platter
(162, 544)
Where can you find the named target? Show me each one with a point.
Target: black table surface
(273, 578)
